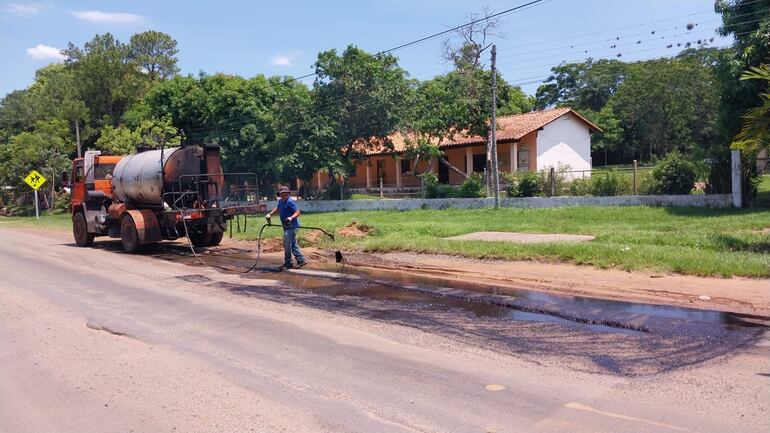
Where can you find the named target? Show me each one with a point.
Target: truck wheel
(80, 230)
(128, 236)
(206, 239)
(198, 239)
(215, 238)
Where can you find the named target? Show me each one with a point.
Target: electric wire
(233, 122)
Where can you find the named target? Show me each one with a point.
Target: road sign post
(35, 180)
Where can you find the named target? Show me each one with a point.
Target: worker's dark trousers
(290, 247)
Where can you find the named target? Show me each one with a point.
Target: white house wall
(565, 141)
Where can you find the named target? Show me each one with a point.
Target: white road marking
(578, 406)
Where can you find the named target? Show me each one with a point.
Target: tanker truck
(155, 195)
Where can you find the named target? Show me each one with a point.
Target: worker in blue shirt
(288, 211)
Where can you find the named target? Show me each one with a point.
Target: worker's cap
(282, 189)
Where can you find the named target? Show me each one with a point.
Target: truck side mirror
(65, 178)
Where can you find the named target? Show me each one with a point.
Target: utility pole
(493, 130)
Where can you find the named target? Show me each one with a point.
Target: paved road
(97, 340)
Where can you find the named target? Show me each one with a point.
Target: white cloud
(281, 60)
(23, 9)
(108, 17)
(44, 52)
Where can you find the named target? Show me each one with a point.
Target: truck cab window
(79, 172)
(103, 171)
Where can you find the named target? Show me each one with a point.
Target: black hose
(337, 254)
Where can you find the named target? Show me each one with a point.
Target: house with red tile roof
(525, 142)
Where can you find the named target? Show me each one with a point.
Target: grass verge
(707, 242)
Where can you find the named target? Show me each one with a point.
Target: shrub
(433, 189)
(61, 203)
(609, 183)
(580, 187)
(674, 174)
(522, 184)
(561, 185)
(332, 192)
(473, 187)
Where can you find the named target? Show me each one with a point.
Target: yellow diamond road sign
(35, 179)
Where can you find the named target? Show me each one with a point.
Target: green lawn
(685, 240)
(46, 221)
(364, 197)
(696, 241)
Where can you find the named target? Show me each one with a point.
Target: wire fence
(628, 179)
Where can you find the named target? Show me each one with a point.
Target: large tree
(664, 105)
(46, 149)
(107, 80)
(748, 22)
(586, 85)
(361, 97)
(155, 53)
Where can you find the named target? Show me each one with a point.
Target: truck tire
(198, 239)
(215, 238)
(206, 238)
(128, 235)
(80, 230)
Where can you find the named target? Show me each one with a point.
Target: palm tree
(755, 133)
(754, 136)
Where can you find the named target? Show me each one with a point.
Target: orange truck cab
(98, 179)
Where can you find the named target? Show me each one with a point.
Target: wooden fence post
(553, 183)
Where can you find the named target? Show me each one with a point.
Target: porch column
(318, 180)
(398, 174)
(368, 174)
(469, 161)
(514, 157)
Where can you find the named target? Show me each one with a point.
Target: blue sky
(283, 38)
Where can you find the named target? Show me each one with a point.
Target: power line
(486, 18)
(231, 123)
(441, 33)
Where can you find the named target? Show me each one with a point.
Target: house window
(524, 160)
(405, 166)
(479, 163)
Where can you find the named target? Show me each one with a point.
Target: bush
(332, 192)
(522, 184)
(610, 183)
(674, 174)
(433, 189)
(19, 210)
(473, 187)
(580, 187)
(561, 186)
(61, 203)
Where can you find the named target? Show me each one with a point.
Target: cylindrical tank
(137, 177)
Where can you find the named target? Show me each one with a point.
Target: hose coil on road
(338, 254)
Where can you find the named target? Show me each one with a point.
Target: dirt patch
(521, 238)
(356, 230)
(272, 245)
(312, 236)
(764, 231)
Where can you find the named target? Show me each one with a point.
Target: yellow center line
(578, 406)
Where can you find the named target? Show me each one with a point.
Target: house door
(443, 172)
(524, 160)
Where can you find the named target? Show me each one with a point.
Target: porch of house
(397, 174)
